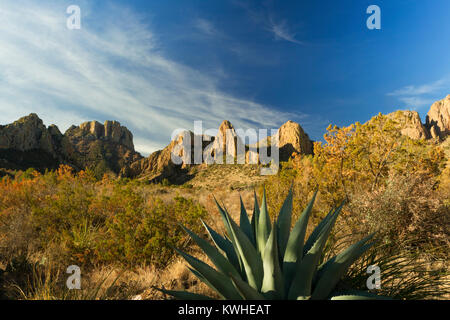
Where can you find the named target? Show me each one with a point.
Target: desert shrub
(73, 218)
(144, 232)
(405, 213)
(394, 185)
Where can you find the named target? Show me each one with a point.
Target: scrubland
(122, 232)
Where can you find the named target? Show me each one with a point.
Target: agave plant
(260, 260)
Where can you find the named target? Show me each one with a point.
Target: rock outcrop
(29, 133)
(160, 165)
(29, 143)
(293, 139)
(171, 162)
(438, 119)
(225, 144)
(409, 124)
(101, 147)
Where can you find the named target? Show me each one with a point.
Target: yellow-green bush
(144, 232)
(71, 218)
(394, 185)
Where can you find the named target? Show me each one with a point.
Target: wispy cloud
(113, 68)
(279, 28)
(418, 96)
(281, 31)
(206, 27)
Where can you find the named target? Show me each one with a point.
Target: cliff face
(409, 124)
(29, 133)
(159, 165)
(293, 139)
(438, 119)
(107, 146)
(29, 143)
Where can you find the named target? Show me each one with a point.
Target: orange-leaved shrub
(72, 218)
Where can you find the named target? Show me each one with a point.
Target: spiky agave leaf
(294, 248)
(263, 226)
(258, 260)
(245, 224)
(283, 224)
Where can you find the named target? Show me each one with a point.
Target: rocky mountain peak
(409, 124)
(225, 125)
(27, 142)
(438, 119)
(225, 143)
(110, 130)
(28, 133)
(292, 138)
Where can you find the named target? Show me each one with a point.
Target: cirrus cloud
(113, 68)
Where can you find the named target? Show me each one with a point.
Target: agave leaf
(247, 292)
(294, 249)
(248, 255)
(284, 223)
(273, 284)
(264, 226)
(358, 295)
(227, 222)
(217, 280)
(255, 216)
(223, 244)
(305, 269)
(202, 278)
(317, 230)
(332, 271)
(224, 218)
(214, 255)
(246, 227)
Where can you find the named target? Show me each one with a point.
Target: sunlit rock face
(293, 139)
(93, 144)
(409, 124)
(438, 119)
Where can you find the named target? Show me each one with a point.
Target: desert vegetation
(122, 231)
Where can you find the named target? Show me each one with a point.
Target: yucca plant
(260, 260)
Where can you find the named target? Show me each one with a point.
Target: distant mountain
(109, 147)
(101, 147)
(29, 143)
(292, 139)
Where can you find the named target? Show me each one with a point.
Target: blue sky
(159, 65)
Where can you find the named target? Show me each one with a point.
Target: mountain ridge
(105, 147)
